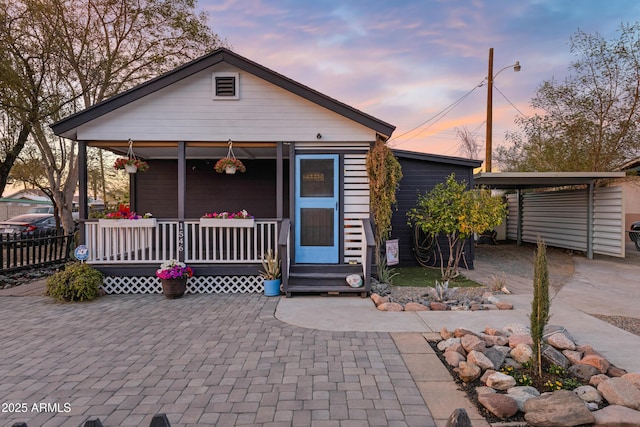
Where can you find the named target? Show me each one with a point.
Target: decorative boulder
(618, 391)
(560, 408)
(500, 405)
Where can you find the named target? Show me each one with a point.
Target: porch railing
(173, 239)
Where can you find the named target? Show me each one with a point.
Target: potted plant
(124, 217)
(227, 219)
(271, 274)
(174, 275)
(130, 164)
(229, 165)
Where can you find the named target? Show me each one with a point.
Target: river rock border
(610, 396)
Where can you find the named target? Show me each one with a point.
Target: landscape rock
(460, 332)
(378, 299)
(614, 371)
(504, 305)
(633, 378)
(560, 408)
(492, 340)
(493, 332)
(588, 394)
(414, 306)
(438, 306)
(459, 418)
(572, 356)
(561, 341)
(479, 359)
(468, 371)
(500, 381)
(487, 374)
(616, 416)
(445, 333)
(521, 353)
(516, 339)
(517, 329)
(444, 345)
(457, 347)
(596, 360)
(521, 394)
(554, 357)
(597, 379)
(390, 306)
(484, 390)
(582, 373)
(495, 356)
(453, 358)
(500, 405)
(472, 342)
(618, 391)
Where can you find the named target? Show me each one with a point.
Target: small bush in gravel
(77, 282)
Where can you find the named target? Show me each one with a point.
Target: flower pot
(131, 168)
(174, 288)
(272, 288)
(230, 170)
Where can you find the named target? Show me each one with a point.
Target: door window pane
(316, 227)
(316, 176)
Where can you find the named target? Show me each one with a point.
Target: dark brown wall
(209, 191)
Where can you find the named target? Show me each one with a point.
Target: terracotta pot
(174, 288)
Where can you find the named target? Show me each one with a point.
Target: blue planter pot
(272, 288)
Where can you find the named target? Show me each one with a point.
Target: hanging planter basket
(130, 164)
(229, 164)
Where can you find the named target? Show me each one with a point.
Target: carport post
(519, 219)
(590, 222)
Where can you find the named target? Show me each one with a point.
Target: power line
(509, 101)
(436, 116)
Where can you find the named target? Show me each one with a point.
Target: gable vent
(225, 86)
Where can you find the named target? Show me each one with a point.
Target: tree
(452, 210)
(470, 147)
(66, 55)
(590, 121)
(384, 173)
(540, 304)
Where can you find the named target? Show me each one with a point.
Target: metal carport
(589, 218)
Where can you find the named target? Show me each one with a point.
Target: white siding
(356, 204)
(560, 218)
(185, 111)
(608, 221)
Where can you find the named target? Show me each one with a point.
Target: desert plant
(270, 265)
(77, 282)
(442, 290)
(385, 274)
(540, 304)
(498, 283)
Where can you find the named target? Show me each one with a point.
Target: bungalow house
(305, 182)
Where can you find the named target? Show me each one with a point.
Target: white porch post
(182, 196)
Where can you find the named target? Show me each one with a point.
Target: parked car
(634, 234)
(41, 209)
(28, 223)
(49, 209)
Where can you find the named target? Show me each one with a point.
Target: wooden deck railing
(173, 239)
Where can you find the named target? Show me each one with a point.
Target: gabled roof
(436, 158)
(67, 126)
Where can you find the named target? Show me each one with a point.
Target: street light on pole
(490, 78)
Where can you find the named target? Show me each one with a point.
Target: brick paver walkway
(203, 360)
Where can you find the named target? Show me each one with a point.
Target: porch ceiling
(194, 150)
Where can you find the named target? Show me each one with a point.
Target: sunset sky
(406, 61)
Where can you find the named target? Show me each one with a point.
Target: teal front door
(317, 205)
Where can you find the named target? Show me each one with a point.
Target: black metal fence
(22, 251)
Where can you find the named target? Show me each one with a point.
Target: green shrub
(77, 282)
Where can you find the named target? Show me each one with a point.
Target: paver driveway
(203, 360)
